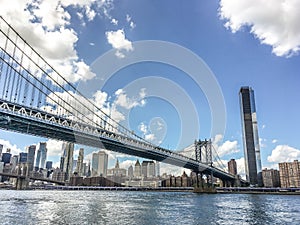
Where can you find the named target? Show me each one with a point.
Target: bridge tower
(203, 154)
(22, 179)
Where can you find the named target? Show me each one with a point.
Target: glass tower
(250, 137)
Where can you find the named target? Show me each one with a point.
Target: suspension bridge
(36, 99)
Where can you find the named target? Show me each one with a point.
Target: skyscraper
(79, 168)
(30, 156)
(41, 156)
(68, 150)
(99, 164)
(43, 149)
(250, 137)
(1, 148)
(232, 168)
(23, 157)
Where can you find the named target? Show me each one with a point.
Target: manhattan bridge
(36, 100)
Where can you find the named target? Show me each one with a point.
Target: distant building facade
(68, 151)
(253, 166)
(41, 156)
(99, 164)
(232, 167)
(117, 171)
(289, 174)
(79, 166)
(271, 178)
(137, 169)
(30, 156)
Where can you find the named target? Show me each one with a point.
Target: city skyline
(236, 55)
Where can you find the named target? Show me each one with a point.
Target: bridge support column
(22, 181)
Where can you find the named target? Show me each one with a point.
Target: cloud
(114, 21)
(128, 103)
(15, 150)
(119, 42)
(125, 164)
(54, 147)
(240, 163)
(45, 26)
(274, 141)
(274, 23)
(131, 23)
(173, 170)
(284, 153)
(225, 148)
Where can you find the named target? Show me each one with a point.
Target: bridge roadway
(14, 117)
(31, 178)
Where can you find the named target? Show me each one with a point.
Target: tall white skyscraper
(99, 164)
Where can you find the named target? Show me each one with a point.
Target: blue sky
(243, 44)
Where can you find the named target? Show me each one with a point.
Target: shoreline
(268, 191)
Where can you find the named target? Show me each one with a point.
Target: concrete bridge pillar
(22, 180)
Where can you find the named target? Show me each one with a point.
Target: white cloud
(172, 170)
(114, 21)
(124, 101)
(119, 42)
(125, 164)
(225, 148)
(240, 163)
(262, 142)
(275, 23)
(228, 147)
(131, 23)
(14, 149)
(44, 25)
(54, 147)
(284, 153)
(274, 141)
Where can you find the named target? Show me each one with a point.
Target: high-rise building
(99, 164)
(117, 171)
(130, 171)
(157, 169)
(43, 148)
(271, 178)
(250, 137)
(289, 174)
(232, 168)
(137, 169)
(14, 162)
(144, 168)
(151, 169)
(68, 150)
(49, 165)
(1, 148)
(23, 157)
(79, 168)
(30, 156)
(6, 157)
(41, 156)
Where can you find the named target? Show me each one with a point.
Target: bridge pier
(22, 181)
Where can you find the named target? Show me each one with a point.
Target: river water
(122, 207)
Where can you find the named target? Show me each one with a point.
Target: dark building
(232, 168)
(6, 157)
(250, 137)
(23, 157)
(30, 156)
(49, 165)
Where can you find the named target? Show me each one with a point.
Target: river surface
(122, 207)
